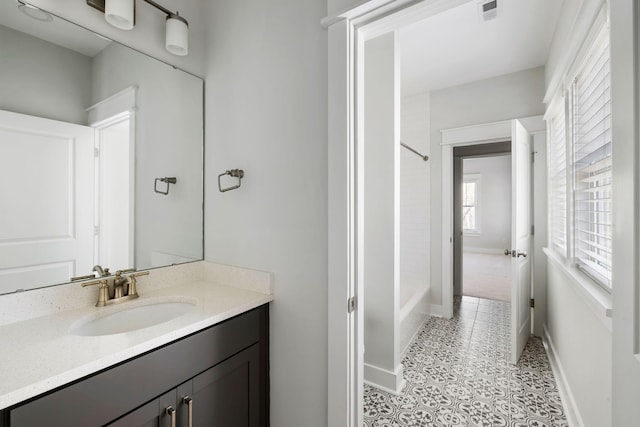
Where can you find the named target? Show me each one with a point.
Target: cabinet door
(228, 394)
(153, 414)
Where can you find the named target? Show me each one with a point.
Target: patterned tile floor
(458, 374)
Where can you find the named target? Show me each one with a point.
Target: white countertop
(41, 354)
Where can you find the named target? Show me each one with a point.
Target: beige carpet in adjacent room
(486, 276)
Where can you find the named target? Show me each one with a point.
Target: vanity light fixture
(34, 12)
(122, 14)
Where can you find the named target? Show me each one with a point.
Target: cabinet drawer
(102, 397)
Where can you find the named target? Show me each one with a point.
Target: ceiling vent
(489, 9)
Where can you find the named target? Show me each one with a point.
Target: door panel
(520, 239)
(153, 414)
(46, 223)
(227, 394)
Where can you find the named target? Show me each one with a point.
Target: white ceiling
(457, 46)
(57, 31)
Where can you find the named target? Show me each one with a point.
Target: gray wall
(494, 203)
(169, 134)
(43, 79)
(579, 335)
(414, 193)
(581, 342)
(266, 112)
(501, 98)
(148, 34)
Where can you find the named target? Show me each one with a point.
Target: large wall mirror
(101, 155)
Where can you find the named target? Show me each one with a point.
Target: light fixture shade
(177, 35)
(120, 13)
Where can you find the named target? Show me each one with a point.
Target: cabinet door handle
(171, 411)
(187, 400)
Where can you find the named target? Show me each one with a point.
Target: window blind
(592, 147)
(558, 178)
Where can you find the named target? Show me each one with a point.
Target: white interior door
(47, 186)
(520, 239)
(114, 201)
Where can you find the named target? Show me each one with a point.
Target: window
(580, 179)
(557, 165)
(470, 192)
(591, 167)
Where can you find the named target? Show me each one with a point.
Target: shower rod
(425, 158)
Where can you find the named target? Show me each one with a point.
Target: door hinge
(96, 152)
(533, 230)
(351, 305)
(96, 230)
(532, 303)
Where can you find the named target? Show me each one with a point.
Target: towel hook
(167, 180)
(236, 173)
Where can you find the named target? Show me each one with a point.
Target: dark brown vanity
(218, 376)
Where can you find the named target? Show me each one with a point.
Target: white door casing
(520, 238)
(345, 325)
(46, 222)
(347, 32)
(114, 119)
(459, 137)
(521, 214)
(115, 188)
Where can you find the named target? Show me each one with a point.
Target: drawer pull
(187, 400)
(171, 411)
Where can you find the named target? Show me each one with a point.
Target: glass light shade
(177, 35)
(119, 13)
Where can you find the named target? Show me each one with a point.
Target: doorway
(347, 35)
(114, 182)
(482, 221)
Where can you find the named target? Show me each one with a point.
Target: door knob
(515, 253)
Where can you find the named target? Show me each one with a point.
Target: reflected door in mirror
(46, 168)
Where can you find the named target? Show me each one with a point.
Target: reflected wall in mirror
(86, 126)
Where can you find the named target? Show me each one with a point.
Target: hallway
(458, 374)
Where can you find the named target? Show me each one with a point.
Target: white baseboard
(571, 409)
(391, 382)
(491, 251)
(437, 310)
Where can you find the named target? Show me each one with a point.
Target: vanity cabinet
(225, 395)
(221, 372)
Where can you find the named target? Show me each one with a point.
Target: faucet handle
(103, 295)
(88, 276)
(102, 282)
(138, 273)
(131, 278)
(128, 270)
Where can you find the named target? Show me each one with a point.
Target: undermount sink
(131, 319)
